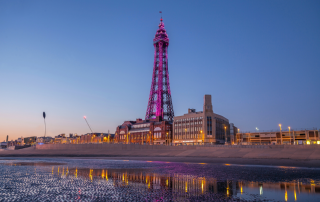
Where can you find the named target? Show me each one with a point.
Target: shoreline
(292, 156)
(293, 163)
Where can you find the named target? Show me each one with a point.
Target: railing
(278, 130)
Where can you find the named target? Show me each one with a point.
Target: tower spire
(160, 102)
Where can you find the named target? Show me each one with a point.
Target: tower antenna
(161, 13)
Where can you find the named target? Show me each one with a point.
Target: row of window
(189, 119)
(157, 135)
(141, 125)
(183, 130)
(187, 124)
(188, 136)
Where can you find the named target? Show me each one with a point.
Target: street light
(280, 134)
(289, 134)
(128, 138)
(185, 133)
(85, 118)
(45, 126)
(225, 134)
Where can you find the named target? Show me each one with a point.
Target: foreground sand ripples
(109, 180)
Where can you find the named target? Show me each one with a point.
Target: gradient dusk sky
(260, 61)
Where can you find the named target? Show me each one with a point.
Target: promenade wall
(298, 152)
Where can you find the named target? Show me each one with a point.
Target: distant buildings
(30, 140)
(96, 138)
(45, 140)
(298, 137)
(203, 127)
(233, 133)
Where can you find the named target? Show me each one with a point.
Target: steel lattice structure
(160, 101)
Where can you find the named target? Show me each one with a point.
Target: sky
(260, 61)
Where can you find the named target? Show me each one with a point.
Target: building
(152, 131)
(293, 137)
(203, 127)
(20, 141)
(30, 140)
(97, 138)
(45, 140)
(233, 133)
(160, 102)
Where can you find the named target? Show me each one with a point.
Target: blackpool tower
(160, 102)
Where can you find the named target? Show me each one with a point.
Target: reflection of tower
(160, 102)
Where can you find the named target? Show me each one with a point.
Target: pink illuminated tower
(160, 102)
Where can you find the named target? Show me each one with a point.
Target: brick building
(152, 131)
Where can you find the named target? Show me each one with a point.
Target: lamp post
(289, 134)
(142, 136)
(185, 137)
(45, 126)
(85, 118)
(280, 134)
(167, 139)
(201, 136)
(225, 134)
(127, 137)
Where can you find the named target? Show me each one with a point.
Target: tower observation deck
(160, 101)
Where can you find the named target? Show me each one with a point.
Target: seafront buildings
(290, 137)
(203, 127)
(152, 131)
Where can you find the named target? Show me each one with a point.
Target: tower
(160, 102)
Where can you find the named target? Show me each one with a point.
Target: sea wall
(298, 152)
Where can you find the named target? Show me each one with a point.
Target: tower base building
(203, 127)
(145, 132)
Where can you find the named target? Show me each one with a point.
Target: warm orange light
(286, 196)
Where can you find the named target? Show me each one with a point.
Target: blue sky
(258, 59)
